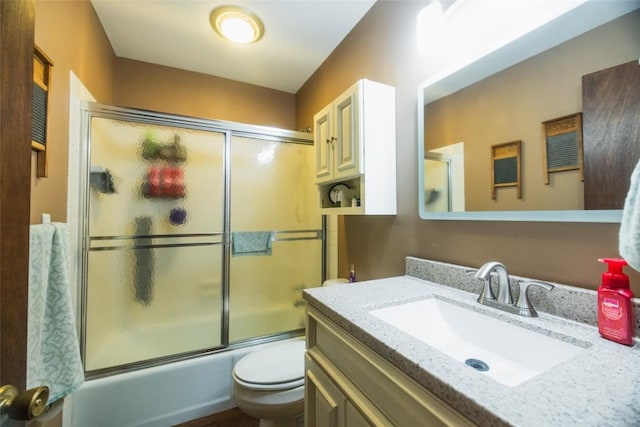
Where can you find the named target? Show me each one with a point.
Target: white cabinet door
(346, 127)
(322, 137)
(337, 138)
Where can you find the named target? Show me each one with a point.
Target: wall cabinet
(349, 385)
(355, 145)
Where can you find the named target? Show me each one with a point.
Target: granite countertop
(598, 387)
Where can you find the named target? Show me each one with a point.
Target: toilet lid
(275, 364)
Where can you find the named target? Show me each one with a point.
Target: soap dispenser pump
(615, 318)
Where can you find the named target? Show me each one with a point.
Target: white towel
(53, 353)
(629, 239)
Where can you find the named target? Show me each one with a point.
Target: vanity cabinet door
(354, 418)
(328, 404)
(322, 398)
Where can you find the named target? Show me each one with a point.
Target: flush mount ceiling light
(236, 24)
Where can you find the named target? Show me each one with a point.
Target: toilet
(269, 384)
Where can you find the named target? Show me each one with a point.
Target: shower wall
(166, 199)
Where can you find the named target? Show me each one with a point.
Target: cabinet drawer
(332, 401)
(322, 399)
(403, 401)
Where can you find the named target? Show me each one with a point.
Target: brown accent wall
(71, 35)
(165, 89)
(383, 47)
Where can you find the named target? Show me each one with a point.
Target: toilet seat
(275, 367)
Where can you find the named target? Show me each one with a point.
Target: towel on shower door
(629, 237)
(53, 352)
(144, 264)
(247, 243)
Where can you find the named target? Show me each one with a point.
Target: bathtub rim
(80, 407)
(181, 357)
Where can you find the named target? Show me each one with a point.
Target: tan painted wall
(382, 47)
(71, 35)
(165, 89)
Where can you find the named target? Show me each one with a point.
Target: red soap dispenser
(615, 318)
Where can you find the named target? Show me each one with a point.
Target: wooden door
(611, 132)
(16, 79)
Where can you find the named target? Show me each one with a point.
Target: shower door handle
(23, 406)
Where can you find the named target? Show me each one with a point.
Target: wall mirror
(448, 188)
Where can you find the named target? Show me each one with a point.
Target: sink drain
(476, 364)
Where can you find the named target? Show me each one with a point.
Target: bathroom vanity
(362, 371)
(349, 384)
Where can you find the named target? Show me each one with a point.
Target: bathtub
(158, 396)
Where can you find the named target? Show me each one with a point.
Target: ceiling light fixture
(237, 24)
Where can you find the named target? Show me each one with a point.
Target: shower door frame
(90, 110)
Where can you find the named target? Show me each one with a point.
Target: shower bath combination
(181, 256)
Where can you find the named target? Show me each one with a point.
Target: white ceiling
(299, 35)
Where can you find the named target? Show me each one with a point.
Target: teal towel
(251, 243)
(53, 352)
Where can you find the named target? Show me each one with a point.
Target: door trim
(17, 22)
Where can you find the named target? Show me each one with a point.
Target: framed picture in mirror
(505, 167)
(562, 145)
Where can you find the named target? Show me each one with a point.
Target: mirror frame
(587, 16)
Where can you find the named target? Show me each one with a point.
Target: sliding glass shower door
(155, 242)
(195, 235)
(276, 236)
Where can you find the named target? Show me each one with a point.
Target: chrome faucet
(505, 300)
(504, 289)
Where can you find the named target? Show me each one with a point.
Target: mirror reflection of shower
(444, 179)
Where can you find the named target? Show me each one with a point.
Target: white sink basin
(511, 353)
